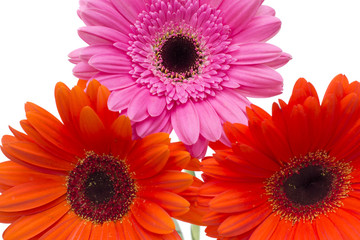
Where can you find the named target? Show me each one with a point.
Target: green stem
(195, 232)
(178, 229)
(191, 172)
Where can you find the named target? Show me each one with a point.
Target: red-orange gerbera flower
(292, 175)
(85, 178)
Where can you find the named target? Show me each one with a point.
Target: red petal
(243, 222)
(152, 217)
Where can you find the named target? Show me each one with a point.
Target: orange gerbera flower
(292, 175)
(85, 178)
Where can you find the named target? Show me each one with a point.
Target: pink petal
(259, 29)
(198, 149)
(115, 81)
(210, 125)
(120, 99)
(255, 53)
(213, 3)
(107, 18)
(83, 70)
(261, 92)
(156, 105)
(111, 63)
(185, 121)
(95, 4)
(265, 10)
(92, 50)
(153, 124)
(224, 139)
(238, 13)
(75, 55)
(230, 106)
(137, 110)
(255, 76)
(101, 35)
(280, 61)
(129, 9)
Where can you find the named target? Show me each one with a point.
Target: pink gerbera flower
(186, 65)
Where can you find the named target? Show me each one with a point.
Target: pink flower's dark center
(179, 54)
(100, 188)
(309, 186)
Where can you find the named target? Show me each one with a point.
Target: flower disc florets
(100, 188)
(309, 186)
(186, 56)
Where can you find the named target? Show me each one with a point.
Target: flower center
(180, 50)
(309, 186)
(179, 54)
(100, 188)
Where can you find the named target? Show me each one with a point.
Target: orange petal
(152, 139)
(19, 135)
(6, 217)
(266, 228)
(214, 218)
(347, 224)
(54, 131)
(173, 203)
(178, 160)
(62, 228)
(283, 231)
(241, 223)
(107, 116)
(81, 231)
(30, 226)
(34, 155)
(82, 84)
(16, 215)
(172, 236)
(92, 91)
(152, 217)
(31, 195)
(109, 231)
(326, 229)
(14, 174)
(149, 161)
(121, 141)
(255, 157)
(96, 232)
(170, 180)
(93, 130)
(305, 231)
(62, 97)
(126, 230)
(78, 100)
(145, 234)
(43, 143)
(232, 201)
(194, 215)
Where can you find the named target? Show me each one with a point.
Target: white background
(323, 37)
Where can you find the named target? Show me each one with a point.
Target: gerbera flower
(85, 178)
(292, 175)
(186, 65)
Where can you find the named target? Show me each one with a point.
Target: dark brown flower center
(309, 186)
(100, 188)
(179, 54)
